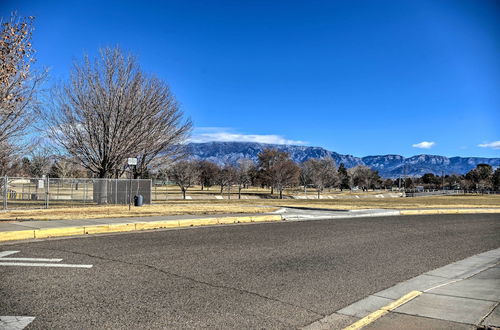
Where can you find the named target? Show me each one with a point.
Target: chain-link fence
(20, 193)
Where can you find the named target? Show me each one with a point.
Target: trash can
(138, 200)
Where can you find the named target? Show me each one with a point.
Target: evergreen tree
(343, 177)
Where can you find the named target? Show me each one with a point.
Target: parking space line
(7, 253)
(31, 259)
(29, 264)
(43, 262)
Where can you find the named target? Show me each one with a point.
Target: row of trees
(481, 178)
(274, 170)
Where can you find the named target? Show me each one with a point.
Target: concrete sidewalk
(10, 231)
(461, 295)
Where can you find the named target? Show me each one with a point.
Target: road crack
(184, 277)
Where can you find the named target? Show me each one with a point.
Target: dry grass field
(119, 211)
(428, 202)
(208, 207)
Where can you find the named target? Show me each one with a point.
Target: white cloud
(424, 145)
(493, 145)
(221, 134)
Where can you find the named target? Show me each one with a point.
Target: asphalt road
(276, 275)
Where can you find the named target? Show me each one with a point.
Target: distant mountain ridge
(389, 166)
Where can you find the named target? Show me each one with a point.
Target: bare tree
(267, 161)
(286, 174)
(40, 162)
(184, 174)
(18, 84)
(322, 173)
(244, 169)
(227, 177)
(305, 175)
(66, 168)
(7, 161)
(278, 170)
(364, 177)
(110, 110)
(208, 173)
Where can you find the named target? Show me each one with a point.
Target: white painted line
(15, 322)
(189, 197)
(219, 197)
(31, 259)
(7, 253)
(27, 264)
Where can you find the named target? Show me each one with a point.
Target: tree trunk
(272, 190)
(319, 194)
(281, 193)
(239, 192)
(229, 192)
(221, 189)
(184, 193)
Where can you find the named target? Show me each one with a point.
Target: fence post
(5, 189)
(151, 191)
(47, 192)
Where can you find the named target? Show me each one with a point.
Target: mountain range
(388, 166)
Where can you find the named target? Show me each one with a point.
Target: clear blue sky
(356, 77)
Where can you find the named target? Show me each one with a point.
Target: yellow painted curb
(448, 211)
(111, 228)
(228, 220)
(115, 228)
(122, 227)
(56, 232)
(260, 218)
(157, 224)
(383, 311)
(97, 229)
(367, 320)
(16, 235)
(403, 300)
(198, 222)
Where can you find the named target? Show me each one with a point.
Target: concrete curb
(342, 216)
(127, 227)
(362, 213)
(449, 211)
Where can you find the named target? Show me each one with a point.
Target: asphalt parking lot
(275, 275)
